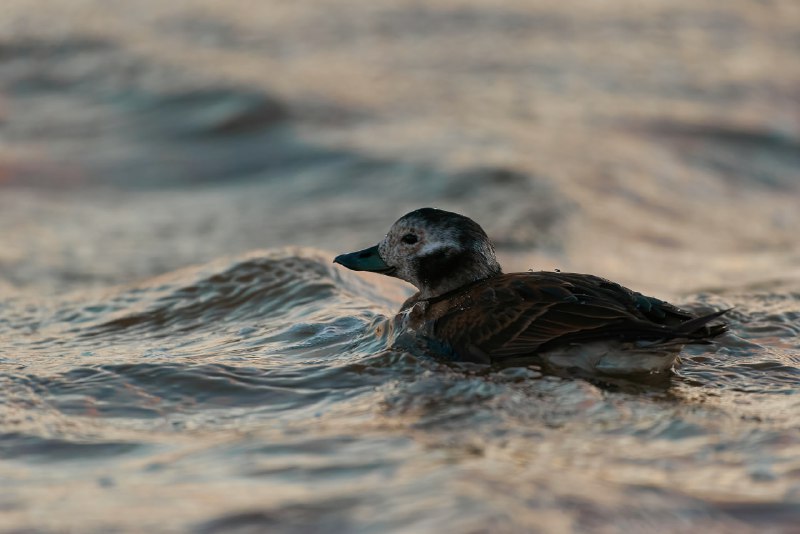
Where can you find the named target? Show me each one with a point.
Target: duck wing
(526, 313)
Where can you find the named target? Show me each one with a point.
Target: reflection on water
(157, 376)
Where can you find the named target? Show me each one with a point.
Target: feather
(513, 315)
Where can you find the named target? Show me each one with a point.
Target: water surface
(178, 353)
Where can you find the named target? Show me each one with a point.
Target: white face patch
(438, 240)
(433, 248)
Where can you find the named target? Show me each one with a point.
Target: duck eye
(409, 239)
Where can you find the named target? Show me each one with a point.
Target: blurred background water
(177, 352)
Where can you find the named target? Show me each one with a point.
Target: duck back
(564, 319)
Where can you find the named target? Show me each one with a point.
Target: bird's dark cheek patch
(437, 266)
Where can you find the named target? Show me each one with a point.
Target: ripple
(14, 446)
(276, 369)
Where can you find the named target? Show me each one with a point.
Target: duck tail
(698, 329)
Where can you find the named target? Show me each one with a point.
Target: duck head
(436, 251)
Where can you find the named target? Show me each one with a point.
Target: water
(178, 352)
(261, 392)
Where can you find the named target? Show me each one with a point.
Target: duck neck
(466, 275)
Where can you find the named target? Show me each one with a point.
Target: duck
(471, 311)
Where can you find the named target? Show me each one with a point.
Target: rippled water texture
(260, 392)
(178, 352)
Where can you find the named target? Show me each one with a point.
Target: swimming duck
(475, 313)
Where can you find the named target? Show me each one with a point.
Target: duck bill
(364, 260)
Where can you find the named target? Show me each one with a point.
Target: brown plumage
(475, 313)
(513, 315)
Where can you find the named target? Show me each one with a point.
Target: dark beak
(364, 260)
